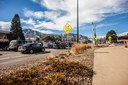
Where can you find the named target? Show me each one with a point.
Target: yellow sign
(109, 38)
(67, 28)
(96, 38)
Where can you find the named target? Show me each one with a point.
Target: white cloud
(30, 13)
(89, 11)
(105, 25)
(30, 21)
(5, 25)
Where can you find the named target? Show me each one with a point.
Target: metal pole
(77, 21)
(68, 43)
(94, 32)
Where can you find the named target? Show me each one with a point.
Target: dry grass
(52, 72)
(79, 48)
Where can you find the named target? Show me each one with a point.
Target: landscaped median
(60, 69)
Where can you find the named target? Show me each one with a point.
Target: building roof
(2, 31)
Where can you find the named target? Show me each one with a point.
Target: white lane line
(4, 58)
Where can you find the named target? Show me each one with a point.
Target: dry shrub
(57, 73)
(79, 48)
(70, 68)
(63, 54)
(126, 45)
(50, 56)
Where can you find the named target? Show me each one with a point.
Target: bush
(79, 48)
(50, 73)
(70, 68)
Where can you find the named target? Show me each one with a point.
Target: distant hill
(29, 33)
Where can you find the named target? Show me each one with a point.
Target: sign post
(67, 30)
(96, 39)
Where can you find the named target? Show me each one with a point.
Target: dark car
(31, 48)
(50, 44)
(14, 44)
(59, 45)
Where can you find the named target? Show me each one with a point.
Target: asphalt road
(9, 58)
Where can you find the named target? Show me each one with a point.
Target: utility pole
(94, 32)
(77, 21)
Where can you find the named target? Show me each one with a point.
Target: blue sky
(50, 16)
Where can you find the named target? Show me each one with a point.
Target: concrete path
(111, 66)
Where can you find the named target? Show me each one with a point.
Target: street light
(77, 21)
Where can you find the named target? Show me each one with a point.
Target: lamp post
(77, 21)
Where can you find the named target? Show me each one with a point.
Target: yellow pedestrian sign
(96, 38)
(109, 38)
(67, 28)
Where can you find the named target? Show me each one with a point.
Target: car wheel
(31, 51)
(43, 49)
(16, 49)
(6, 48)
(22, 52)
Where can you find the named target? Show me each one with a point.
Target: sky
(50, 16)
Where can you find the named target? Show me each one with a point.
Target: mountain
(29, 33)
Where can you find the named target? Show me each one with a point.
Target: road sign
(67, 28)
(95, 38)
(109, 38)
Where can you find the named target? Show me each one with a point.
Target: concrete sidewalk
(111, 66)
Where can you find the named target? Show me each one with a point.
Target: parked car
(50, 44)
(14, 44)
(59, 45)
(70, 44)
(31, 48)
(4, 45)
(45, 44)
(32, 41)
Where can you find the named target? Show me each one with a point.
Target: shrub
(79, 48)
(57, 73)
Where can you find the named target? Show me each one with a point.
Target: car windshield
(28, 44)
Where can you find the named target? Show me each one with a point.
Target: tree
(37, 39)
(112, 34)
(16, 29)
(49, 38)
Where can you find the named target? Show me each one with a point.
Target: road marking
(4, 58)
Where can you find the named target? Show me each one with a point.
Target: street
(9, 58)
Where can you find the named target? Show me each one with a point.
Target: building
(123, 38)
(4, 36)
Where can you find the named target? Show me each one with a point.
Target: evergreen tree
(16, 29)
(112, 34)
